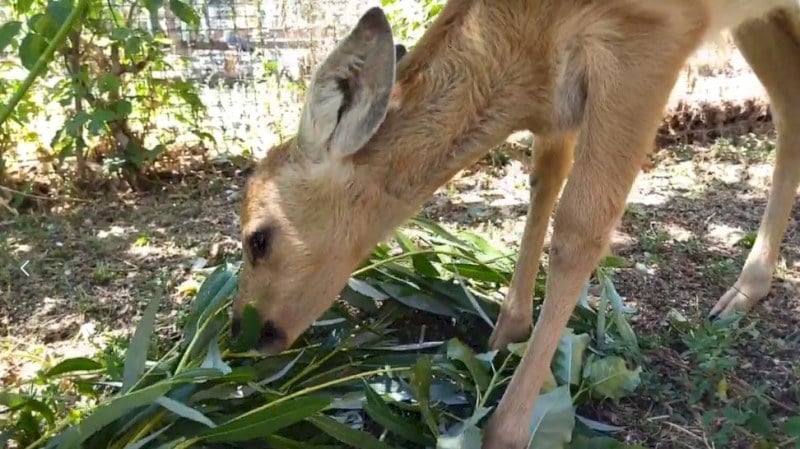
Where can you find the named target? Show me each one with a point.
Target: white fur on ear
(349, 94)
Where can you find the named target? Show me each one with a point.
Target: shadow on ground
(97, 265)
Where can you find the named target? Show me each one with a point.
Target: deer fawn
(589, 77)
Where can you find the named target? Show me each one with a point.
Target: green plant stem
(331, 383)
(44, 59)
(143, 431)
(310, 367)
(492, 383)
(583, 389)
(187, 443)
(155, 365)
(429, 251)
(190, 348)
(314, 378)
(600, 332)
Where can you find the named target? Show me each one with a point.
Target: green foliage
(410, 19)
(568, 361)
(709, 348)
(359, 383)
(105, 80)
(610, 378)
(553, 419)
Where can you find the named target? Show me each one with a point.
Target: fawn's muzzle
(271, 340)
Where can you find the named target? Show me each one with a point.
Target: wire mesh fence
(249, 60)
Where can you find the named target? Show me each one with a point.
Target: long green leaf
(8, 31)
(481, 273)
(417, 299)
(568, 360)
(278, 441)
(348, 436)
(456, 350)
(475, 306)
(110, 412)
(441, 232)
(209, 331)
(74, 364)
(31, 48)
(623, 327)
(198, 375)
(250, 330)
(218, 298)
(144, 441)
(420, 261)
(214, 358)
(136, 355)
(553, 420)
(211, 286)
(420, 377)
(172, 444)
(383, 415)
(265, 421)
(185, 411)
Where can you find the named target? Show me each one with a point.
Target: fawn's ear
(349, 94)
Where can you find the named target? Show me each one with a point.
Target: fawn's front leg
(552, 158)
(626, 98)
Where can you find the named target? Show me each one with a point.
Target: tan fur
(589, 77)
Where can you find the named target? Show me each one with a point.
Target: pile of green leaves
(356, 379)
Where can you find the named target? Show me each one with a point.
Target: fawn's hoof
(740, 298)
(509, 330)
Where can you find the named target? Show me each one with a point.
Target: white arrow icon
(23, 268)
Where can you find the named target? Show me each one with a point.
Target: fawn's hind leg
(772, 48)
(552, 158)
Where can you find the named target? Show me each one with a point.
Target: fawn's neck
(459, 93)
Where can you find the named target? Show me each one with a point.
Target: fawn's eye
(258, 243)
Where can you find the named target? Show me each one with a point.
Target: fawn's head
(305, 217)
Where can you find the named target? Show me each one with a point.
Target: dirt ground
(92, 266)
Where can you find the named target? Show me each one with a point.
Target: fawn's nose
(236, 328)
(272, 337)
